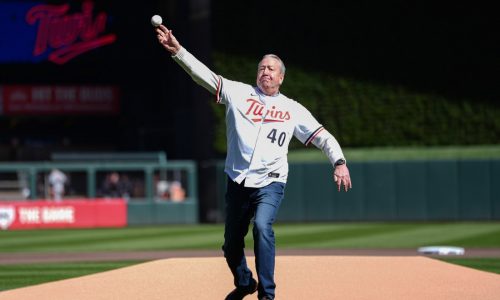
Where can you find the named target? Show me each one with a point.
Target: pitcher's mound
(297, 277)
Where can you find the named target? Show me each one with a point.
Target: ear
(282, 77)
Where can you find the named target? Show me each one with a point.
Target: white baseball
(156, 20)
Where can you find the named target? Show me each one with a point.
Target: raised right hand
(167, 39)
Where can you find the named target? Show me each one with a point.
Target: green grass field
(312, 235)
(289, 236)
(15, 276)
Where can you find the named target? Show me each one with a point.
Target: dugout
(27, 181)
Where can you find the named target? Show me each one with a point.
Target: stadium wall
(447, 190)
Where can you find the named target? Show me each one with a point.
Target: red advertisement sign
(53, 100)
(85, 213)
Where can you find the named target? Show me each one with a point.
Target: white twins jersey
(259, 127)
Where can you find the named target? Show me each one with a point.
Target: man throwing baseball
(260, 124)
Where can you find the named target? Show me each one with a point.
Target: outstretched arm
(200, 73)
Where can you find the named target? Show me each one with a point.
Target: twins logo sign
(7, 216)
(38, 31)
(68, 35)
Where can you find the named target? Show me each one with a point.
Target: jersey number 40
(281, 137)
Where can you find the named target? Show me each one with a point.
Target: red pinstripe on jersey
(313, 135)
(219, 88)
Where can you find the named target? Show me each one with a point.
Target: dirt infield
(297, 277)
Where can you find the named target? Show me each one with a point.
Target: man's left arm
(329, 145)
(309, 130)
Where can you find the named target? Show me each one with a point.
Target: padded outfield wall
(447, 190)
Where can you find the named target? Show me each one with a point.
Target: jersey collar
(260, 93)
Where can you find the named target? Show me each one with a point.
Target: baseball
(156, 20)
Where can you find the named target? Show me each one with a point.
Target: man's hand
(167, 39)
(342, 177)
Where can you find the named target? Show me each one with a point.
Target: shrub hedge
(364, 114)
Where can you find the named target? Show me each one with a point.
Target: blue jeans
(243, 204)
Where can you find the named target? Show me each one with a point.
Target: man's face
(269, 76)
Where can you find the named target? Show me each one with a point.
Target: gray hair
(282, 65)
